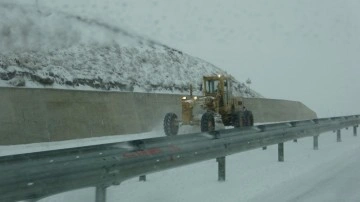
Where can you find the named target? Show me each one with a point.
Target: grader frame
(217, 104)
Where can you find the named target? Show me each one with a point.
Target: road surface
(335, 181)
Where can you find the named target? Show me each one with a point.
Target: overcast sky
(302, 50)
(299, 50)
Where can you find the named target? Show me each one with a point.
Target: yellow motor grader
(216, 105)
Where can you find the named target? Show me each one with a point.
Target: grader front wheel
(171, 124)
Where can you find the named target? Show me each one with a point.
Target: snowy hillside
(53, 49)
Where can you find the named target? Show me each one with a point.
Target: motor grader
(216, 105)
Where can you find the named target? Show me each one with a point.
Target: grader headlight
(184, 98)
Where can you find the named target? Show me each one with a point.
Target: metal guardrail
(37, 175)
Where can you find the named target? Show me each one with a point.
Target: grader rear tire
(249, 117)
(171, 125)
(243, 118)
(207, 122)
(239, 119)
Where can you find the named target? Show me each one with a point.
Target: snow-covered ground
(303, 50)
(306, 175)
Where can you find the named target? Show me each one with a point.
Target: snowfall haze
(298, 50)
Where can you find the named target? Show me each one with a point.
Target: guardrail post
(221, 168)
(338, 132)
(100, 195)
(355, 131)
(316, 142)
(264, 148)
(142, 178)
(281, 152)
(295, 140)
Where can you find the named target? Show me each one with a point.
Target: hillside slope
(53, 49)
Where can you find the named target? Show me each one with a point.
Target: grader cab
(216, 105)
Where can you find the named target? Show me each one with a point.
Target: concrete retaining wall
(40, 115)
(273, 110)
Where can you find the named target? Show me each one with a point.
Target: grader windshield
(215, 85)
(211, 86)
(218, 86)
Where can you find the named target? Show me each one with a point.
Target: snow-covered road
(337, 180)
(330, 174)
